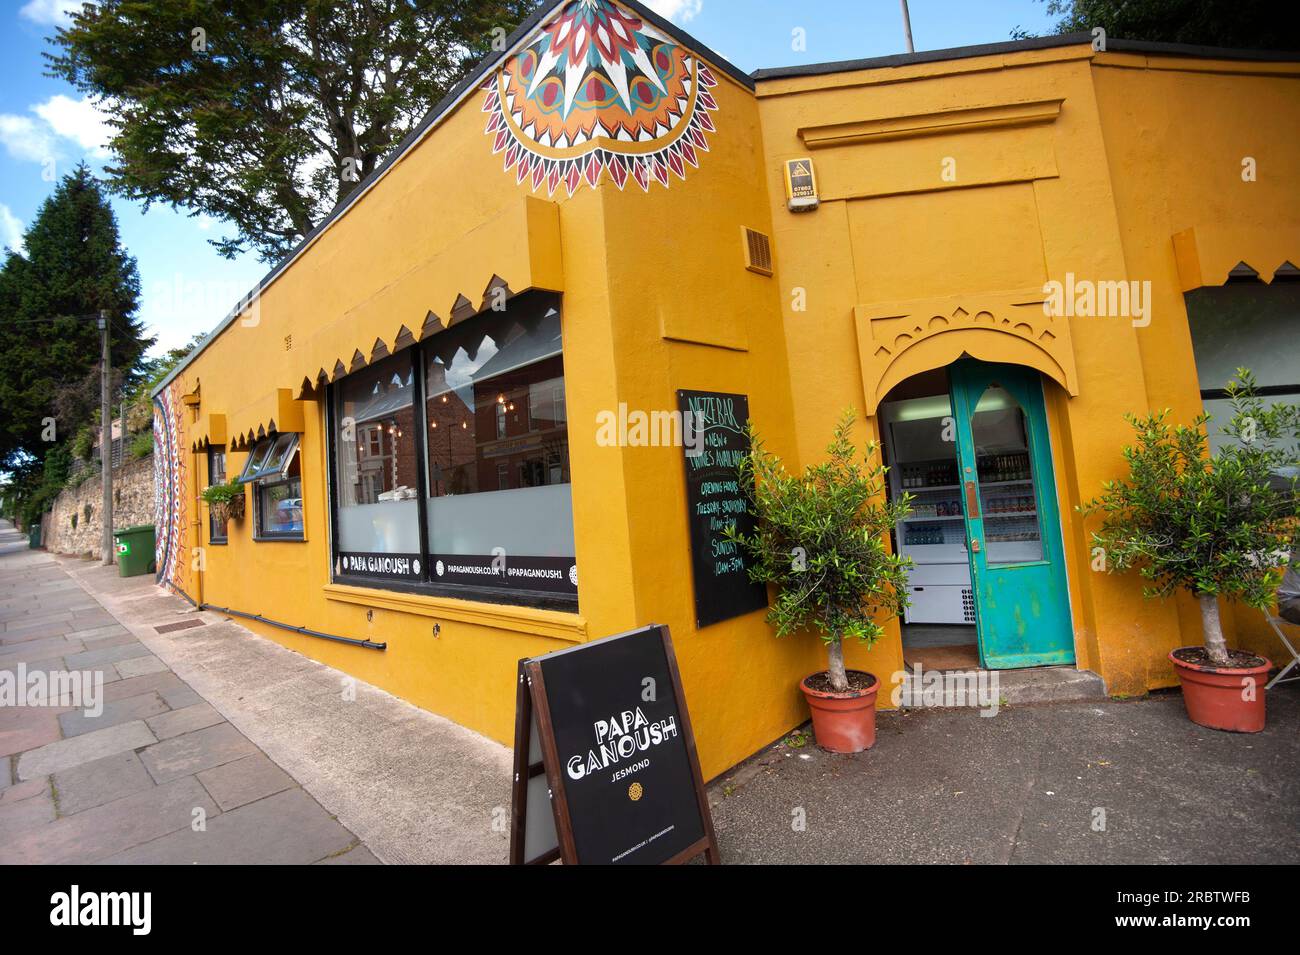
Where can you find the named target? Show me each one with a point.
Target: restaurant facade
(445, 406)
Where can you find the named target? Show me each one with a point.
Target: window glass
(256, 458)
(279, 502)
(216, 475)
(376, 473)
(499, 509)
(1004, 461)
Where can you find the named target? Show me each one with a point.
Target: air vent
(758, 251)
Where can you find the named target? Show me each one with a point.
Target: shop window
(216, 475)
(274, 472)
(1245, 325)
(377, 471)
(465, 487)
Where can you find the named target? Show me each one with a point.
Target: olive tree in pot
(820, 539)
(1215, 525)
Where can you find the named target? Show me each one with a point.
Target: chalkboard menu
(618, 753)
(715, 442)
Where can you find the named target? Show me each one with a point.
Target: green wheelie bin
(134, 546)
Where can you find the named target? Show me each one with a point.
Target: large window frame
(417, 355)
(268, 467)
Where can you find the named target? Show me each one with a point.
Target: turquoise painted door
(1013, 527)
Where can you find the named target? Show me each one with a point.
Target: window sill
(546, 623)
(276, 538)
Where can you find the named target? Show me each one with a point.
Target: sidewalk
(202, 720)
(1029, 785)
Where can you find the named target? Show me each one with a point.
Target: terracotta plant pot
(1217, 696)
(843, 722)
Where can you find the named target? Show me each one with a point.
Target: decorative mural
(598, 91)
(170, 483)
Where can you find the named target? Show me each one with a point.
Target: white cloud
(79, 120)
(11, 230)
(678, 11)
(59, 121)
(26, 138)
(55, 13)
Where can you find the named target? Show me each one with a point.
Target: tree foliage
(266, 114)
(1215, 525)
(1225, 23)
(820, 538)
(75, 267)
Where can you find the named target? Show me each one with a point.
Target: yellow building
(436, 402)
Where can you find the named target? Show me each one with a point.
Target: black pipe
(368, 644)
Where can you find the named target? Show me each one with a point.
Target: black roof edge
(453, 97)
(1029, 43)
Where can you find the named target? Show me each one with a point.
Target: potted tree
(1215, 525)
(819, 539)
(225, 501)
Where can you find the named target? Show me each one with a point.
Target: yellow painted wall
(1063, 164)
(952, 182)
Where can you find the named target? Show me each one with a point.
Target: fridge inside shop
(921, 450)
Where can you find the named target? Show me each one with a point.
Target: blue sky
(187, 288)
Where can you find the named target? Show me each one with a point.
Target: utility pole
(106, 439)
(907, 26)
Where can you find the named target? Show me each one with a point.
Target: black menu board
(715, 442)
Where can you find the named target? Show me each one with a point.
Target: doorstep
(1052, 684)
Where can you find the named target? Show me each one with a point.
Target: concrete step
(1058, 684)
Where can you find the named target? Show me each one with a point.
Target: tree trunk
(1215, 645)
(839, 680)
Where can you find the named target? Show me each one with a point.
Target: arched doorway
(970, 444)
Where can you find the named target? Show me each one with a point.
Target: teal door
(1013, 527)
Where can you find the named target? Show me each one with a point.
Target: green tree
(75, 266)
(1226, 23)
(267, 114)
(820, 539)
(1215, 525)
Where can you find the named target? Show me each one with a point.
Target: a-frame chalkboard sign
(606, 771)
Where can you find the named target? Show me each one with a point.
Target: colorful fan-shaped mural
(599, 91)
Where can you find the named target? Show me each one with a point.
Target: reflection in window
(1008, 501)
(377, 468)
(216, 475)
(494, 405)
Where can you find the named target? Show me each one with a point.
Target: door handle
(975, 545)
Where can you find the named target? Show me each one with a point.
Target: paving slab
(100, 781)
(66, 753)
(141, 707)
(26, 790)
(357, 855)
(139, 666)
(289, 828)
(164, 682)
(186, 720)
(28, 727)
(103, 655)
(25, 816)
(194, 752)
(245, 780)
(96, 834)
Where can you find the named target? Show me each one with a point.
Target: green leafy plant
(820, 540)
(225, 501)
(1216, 525)
(142, 445)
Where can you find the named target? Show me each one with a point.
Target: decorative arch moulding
(597, 92)
(902, 339)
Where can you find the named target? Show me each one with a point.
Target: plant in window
(1214, 525)
(225, 501)
(821, 540)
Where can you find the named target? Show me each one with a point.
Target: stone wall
(133, 503)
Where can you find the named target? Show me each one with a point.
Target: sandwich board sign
(606, 771)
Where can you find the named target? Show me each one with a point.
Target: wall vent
(758, 251)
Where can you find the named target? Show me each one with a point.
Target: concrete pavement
(1065, 783)
(213, 744)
